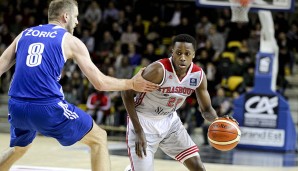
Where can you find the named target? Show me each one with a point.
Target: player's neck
(56, 22)
(180, 74)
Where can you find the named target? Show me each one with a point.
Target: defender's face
(72, 20)
(183, 53)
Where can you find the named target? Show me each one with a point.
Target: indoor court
(47, 155)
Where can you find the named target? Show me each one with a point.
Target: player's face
(183, 53)
(73, 20)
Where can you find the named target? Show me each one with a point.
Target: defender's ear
(65, 17)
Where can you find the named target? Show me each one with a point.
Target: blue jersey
(39, 63)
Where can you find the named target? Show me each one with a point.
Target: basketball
(224, 134)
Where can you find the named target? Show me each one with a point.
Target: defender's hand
(142, 85)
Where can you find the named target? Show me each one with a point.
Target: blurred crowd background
(123, 36)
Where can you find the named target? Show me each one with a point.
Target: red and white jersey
(172, 92)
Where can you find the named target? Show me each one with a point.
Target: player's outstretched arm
(7, 59)
(75, 48)
(204, 101)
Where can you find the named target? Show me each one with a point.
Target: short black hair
(185, 38)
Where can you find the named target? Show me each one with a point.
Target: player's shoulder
(70, 37)
(155, 67)
(154, 72)
(73, 46)
(196, 68)
(166, 63)
(72, 40)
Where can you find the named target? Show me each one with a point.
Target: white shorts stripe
(67, 113)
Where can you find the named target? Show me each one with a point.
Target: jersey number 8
(34, 54)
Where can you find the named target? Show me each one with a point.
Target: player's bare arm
(204, 101)
(74, 48)
(153, 73)
(7, 59)
(140, 143)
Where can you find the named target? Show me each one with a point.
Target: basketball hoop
(240, 10)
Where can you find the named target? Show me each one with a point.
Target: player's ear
(65, 16)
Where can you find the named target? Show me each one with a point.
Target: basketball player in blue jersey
(37, 102)
(153, 121)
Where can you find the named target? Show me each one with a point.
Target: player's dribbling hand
(230, 117)
(142, 85)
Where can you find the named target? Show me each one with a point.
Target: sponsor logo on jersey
(193, 81)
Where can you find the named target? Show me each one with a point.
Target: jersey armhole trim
(17, 42)
(164, 74)
(202, 75)
(62, 43)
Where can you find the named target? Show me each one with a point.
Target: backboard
(275, 5)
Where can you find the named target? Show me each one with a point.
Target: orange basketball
(224, 134)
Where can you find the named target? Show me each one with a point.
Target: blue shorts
(53, 118)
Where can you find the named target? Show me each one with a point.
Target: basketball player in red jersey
(153, 121)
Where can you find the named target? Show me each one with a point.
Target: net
(240, 10)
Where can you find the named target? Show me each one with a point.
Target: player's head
(65, 12)
(183, 52)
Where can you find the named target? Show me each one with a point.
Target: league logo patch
(193, 81)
